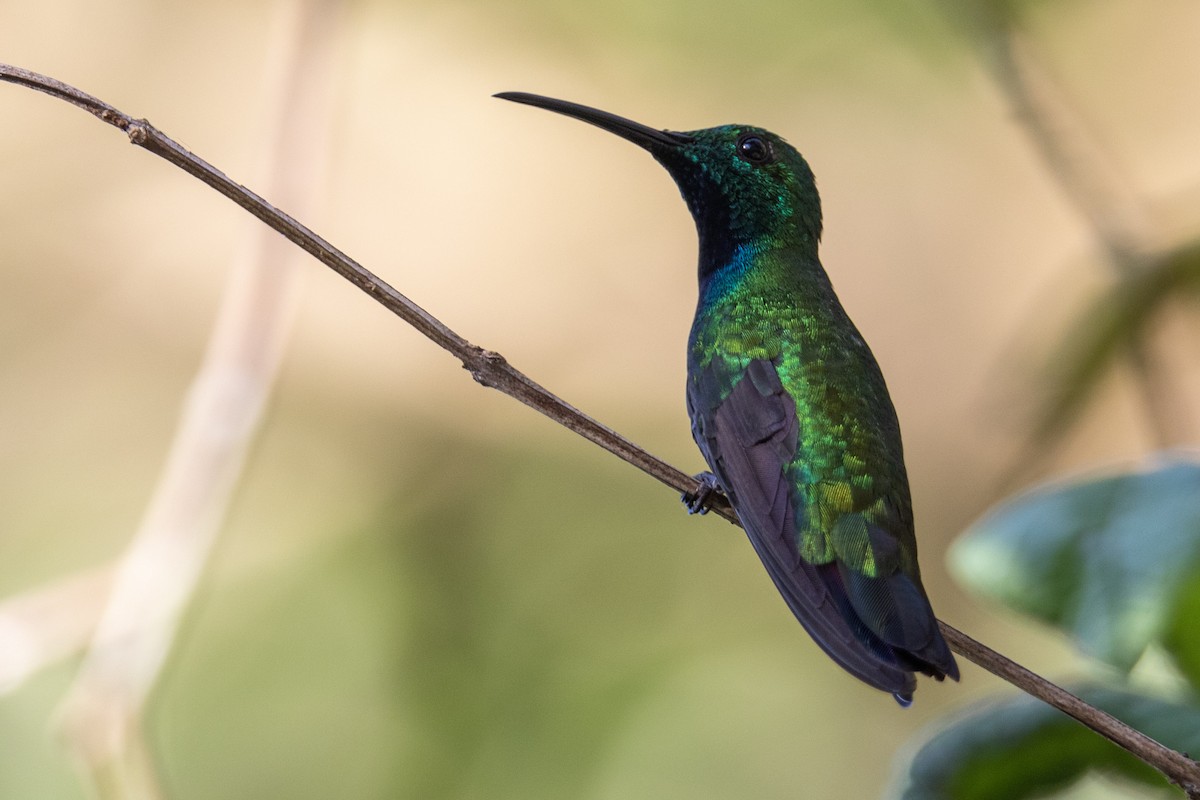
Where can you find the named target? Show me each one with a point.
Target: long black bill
(639, 134)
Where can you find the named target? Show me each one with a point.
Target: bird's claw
(697, 501)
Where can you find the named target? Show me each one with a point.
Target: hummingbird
(788, 404)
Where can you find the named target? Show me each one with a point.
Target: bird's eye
(754, 149)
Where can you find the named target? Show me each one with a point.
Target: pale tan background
(425, 589)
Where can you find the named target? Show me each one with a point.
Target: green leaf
(1023, 748)
(1181, 639)
(1110, 560)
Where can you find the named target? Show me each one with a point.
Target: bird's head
(745, 186)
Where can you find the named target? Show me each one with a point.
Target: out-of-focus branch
(1087, 175)
(1091, 181)
(491, 369)
(156, 577)
(47, 624)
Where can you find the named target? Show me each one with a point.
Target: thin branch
(487, 367)
(491, 369)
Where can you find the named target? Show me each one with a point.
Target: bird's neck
(729, 269)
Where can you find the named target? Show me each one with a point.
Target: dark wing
(878, 629)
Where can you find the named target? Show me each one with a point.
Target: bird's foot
(697, 501)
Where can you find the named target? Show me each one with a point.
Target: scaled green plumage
(848, 460)
(788, 404)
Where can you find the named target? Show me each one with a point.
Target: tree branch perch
(493, 370)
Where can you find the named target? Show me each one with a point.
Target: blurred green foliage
(508, 623)
(416, 665)
(1021, 748)
(1109, 560)
(1113, 561)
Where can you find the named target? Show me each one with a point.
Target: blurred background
(424, 589)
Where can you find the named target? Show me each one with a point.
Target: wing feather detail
(881, 628)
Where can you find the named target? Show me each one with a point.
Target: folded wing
(880, 627)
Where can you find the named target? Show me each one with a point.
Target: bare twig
(491, 369)
(487, 367)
